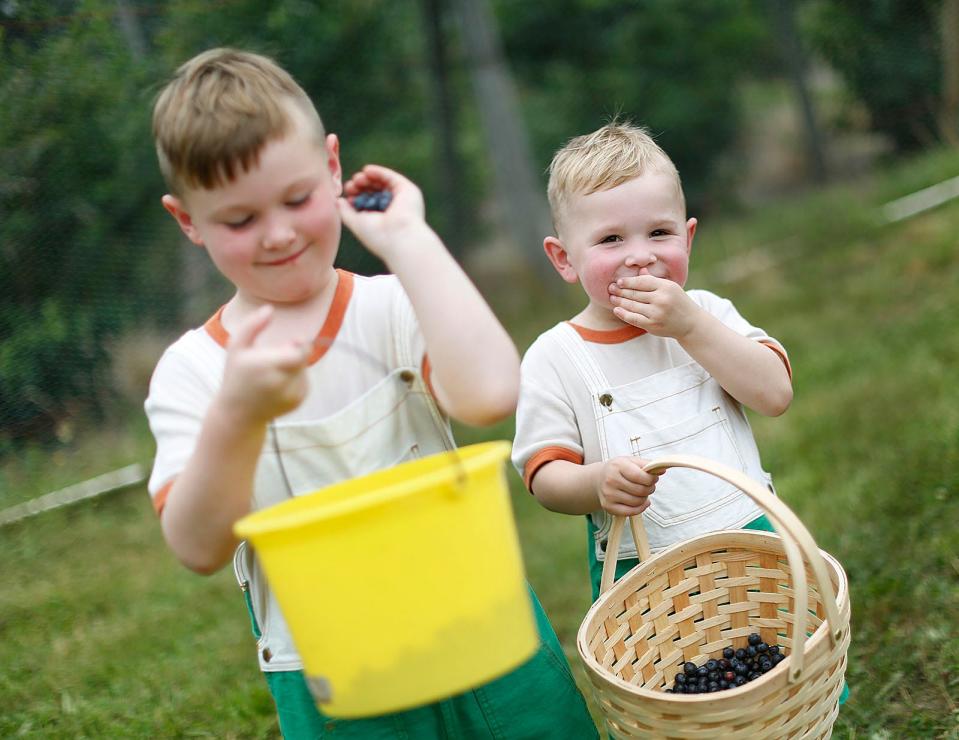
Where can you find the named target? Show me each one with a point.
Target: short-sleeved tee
(369, 324)
(555, 416)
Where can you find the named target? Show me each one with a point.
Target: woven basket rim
(690, 548)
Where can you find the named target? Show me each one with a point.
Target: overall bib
(679, 410)
(394, 421)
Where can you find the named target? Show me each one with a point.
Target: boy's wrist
(232, 419)
(414, 239)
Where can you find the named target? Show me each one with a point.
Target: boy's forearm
(212, 492)
(475, 365)
(747, 370)
(566, 487)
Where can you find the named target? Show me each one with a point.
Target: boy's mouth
(286, 260)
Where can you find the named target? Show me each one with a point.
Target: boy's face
(636, 228)
(274, 230)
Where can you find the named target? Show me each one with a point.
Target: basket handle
(797, 542)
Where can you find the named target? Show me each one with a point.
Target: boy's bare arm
(475, 365)
(747, 370)
(620, 486)
(215, 487)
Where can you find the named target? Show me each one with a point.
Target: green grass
(106, 636)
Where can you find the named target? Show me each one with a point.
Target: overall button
(606, 400)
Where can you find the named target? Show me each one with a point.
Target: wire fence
(95, 279)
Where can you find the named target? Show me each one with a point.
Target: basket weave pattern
(694, 599)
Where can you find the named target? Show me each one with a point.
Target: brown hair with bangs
(603, 159)
(212, 120)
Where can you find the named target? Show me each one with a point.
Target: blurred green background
(794, 123)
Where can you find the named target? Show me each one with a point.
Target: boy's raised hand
(383, 232)
(624, 486)
(262, 382)
(658, 305)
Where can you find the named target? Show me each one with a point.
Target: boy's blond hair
(221, 108)
(609, 156)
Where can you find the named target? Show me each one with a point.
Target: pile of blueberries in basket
(735, 668)
(373, 200)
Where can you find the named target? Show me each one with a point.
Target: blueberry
(376, 200)
(774, 649)
(766, 666)
(384, 199)
(740, 681)
(680, 678)
(751, 651)
(729, 653)
(690, 668)
(729, 676)
(741, 654)
(778, 658)
(702, 671)
(712, 665)
(724, 665)
(754, 639)
(762, 647)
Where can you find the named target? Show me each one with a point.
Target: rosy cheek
(597, 278)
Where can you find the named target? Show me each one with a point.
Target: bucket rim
(273, 519)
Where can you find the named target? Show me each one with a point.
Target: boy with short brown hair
(309, 374)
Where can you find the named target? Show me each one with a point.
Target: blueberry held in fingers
(372, 200)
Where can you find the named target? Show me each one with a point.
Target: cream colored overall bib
(680, 410)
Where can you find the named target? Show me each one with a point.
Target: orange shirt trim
(546, 455)
(327, 334)
(608, 336)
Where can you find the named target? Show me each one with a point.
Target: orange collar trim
(608, 336)
(331, 327)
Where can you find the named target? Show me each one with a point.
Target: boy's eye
(612, 238)
(659, 232)
(239, 224)
(295, 202)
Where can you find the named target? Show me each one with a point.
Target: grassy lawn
(106, 636)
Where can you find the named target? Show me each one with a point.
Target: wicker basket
(695, 598)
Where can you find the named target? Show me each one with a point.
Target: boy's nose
(641, 258)
(278, 236)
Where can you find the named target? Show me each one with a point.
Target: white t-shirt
(556, 419)
(368, 407)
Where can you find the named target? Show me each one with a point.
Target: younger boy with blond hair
(310, 374)
(647, 368)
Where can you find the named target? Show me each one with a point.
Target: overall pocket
(683, 494)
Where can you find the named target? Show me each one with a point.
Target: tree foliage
(889, 54)
(670, 65)
(87, 254)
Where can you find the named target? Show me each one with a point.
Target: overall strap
(582, 359)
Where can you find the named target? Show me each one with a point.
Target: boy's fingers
(249, 329)
(644, 283)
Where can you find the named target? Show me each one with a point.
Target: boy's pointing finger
(249, 329)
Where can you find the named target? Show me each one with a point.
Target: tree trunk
(785, 13)
(447, 159)
(520, 196)
(949, 111)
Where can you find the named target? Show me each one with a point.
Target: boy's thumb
(248, 329)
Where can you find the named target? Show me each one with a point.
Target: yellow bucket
(401, 587)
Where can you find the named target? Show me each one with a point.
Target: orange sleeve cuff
(426, 369)
(782, 356)
(546, 455)
(159, 500)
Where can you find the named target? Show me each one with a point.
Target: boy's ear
(175, 207)
(690, 233)
(559, 258)
(333, 161)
